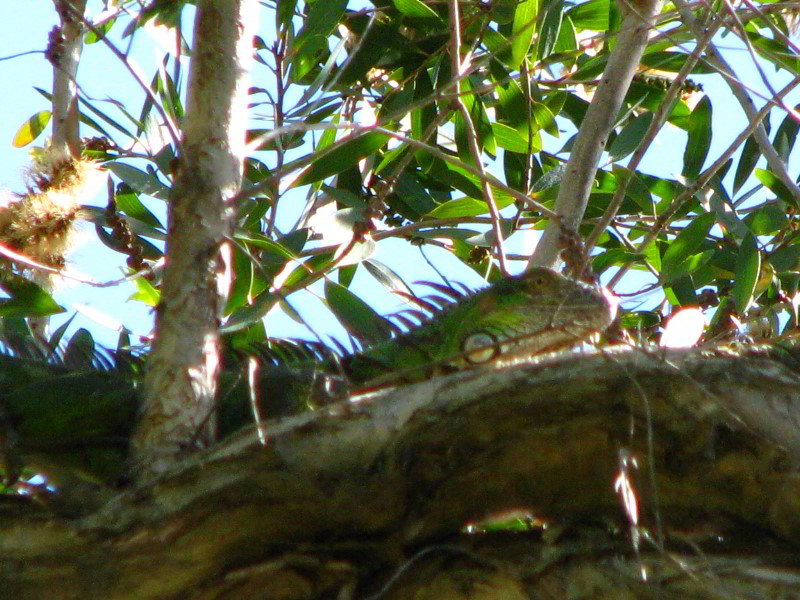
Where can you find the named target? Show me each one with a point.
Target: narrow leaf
(355, 315)
(415, 8)
(748, 266)
(522, 31)
(686, 243)
(386, 276)
(31, 129)
(770, 180)
(630, 137)
(345, 155)
(699, 138)
(747, 162)
(27, 299)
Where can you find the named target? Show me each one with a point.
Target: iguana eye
(480, 347)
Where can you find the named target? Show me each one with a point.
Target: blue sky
(100, 75)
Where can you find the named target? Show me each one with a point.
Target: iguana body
(57, 413)
(531, 313)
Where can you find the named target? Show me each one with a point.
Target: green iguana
(55, 417)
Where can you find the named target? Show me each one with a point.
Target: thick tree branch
(184, 364)
(368, 484)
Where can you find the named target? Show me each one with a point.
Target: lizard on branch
(81, 420)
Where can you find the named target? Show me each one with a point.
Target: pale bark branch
(576, 185)
(184, 364)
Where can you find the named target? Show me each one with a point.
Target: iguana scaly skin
(538, 311)
(79, 421)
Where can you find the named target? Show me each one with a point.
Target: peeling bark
(370, 499)
(184, 365)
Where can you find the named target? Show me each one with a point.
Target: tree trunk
(184, 365)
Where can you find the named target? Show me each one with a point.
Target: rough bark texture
(370, 500)
(181, 379)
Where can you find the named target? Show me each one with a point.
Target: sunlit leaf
(770, 180)
(523, 28)
(31, 129)
(145, 293)
(591, 15)
(345, 155)
(26, 298)
(684, 329)
(415, 8)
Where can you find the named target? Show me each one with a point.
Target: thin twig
(472, 136)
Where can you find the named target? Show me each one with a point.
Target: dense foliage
(356, 106)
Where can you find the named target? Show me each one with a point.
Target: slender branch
(64, 51)
(573, 195)
(472, 136)
(358, 129)
(134, 71)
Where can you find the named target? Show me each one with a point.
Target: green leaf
(786, 258)
(386, 276)
(343, 156)
(142, 182)
(747, 162)
(461, 207)
(511, 139)
(80, 349)
(592, 15)
(423, 117)
(145, 293)
(672, 62)
(786, 135)
(545, 118)
(630, 137)
(480, 123)
(523, 28)
(31, 129)
(699, 139)
(767, 220)
(128, 203)
(322, 19)
(748, 267)
(685, 244)
(355, 315)
(770, 180)
(414, 8)
(27, 299)
(548, 36)
(689, 265)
